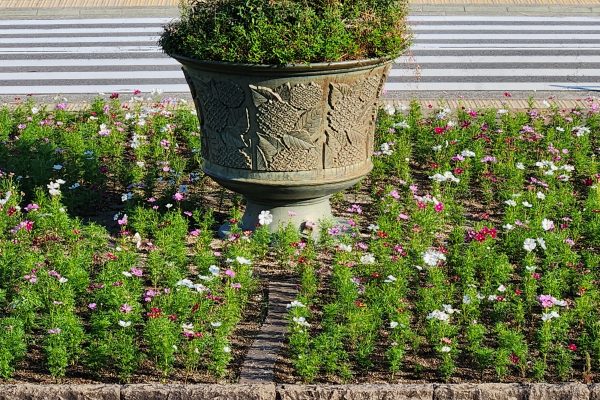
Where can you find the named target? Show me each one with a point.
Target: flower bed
(477, 256)
(471, 252)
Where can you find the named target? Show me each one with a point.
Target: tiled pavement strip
(59, 9)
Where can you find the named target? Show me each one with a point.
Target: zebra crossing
(449, 53)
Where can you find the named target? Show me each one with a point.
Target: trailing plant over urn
(286, 93)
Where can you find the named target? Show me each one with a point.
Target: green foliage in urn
(288, 31)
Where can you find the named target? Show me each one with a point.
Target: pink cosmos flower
(546, 300)
(32, 207)
(394, 193)
(178, 196)
(136, 271)
(439, 207)
(195, 232)
(230, 273)
(92, 306)
(126, 308)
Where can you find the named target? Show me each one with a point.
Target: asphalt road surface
(450, 54)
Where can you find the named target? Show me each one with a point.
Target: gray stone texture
(198, 392)
(568, 391)
(355, 392)
(59, 392)
(486, 391)
(594, 391)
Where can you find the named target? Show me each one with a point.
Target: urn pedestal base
(302, 215)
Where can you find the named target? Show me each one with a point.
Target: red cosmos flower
(375, 275)
(111, 256)
(382, 234)
(572, 347)
(154, 312)
(439, 130)
(434, 165)
(172, 317)
(458, 171)
(507, 94)
(114, 95)
(514, 358)
(518, 292)
(359, 304)
(11, 211)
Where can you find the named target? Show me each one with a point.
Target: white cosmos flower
(540, 195)
(57, 167)
(265, 217)
(439, 315)
(390, 279)
(431, 257)
(449, 310)
(527, 204)
(467, 153)
(216, 324)
(508, 227)
(301, 321)
(437, 148)
(501, 288)
(578, 130)
(185, 282)
(389, 109)
(510, 202)
(542, 243)
(243, 260)
(213, 269)
(227, 349)
(547, 224)
(529, 244)
(401, 125)
(62, 279)
(520, 166)
(124, 324)
(295, 304)
(367, 259)
(188, 328)
(446, 349)
(466, 299)
(393, 324)
(549, 316)
(344, 247)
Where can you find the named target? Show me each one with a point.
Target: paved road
(450, 53)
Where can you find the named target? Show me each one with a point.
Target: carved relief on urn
(286, 137)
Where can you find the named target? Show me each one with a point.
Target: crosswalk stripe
(79, 39)
(487, 72)
(29, 31)
(82, 50)
(92, 89)
(489, 86)
(106, 62)
(91, 75)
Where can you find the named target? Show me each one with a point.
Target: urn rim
(321, 67)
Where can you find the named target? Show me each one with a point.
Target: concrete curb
(485, 391)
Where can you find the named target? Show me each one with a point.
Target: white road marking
(403, 72)
(35, 76)
(79, 89)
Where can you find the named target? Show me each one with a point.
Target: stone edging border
(270, 391)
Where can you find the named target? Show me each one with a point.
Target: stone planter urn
(286, 138)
